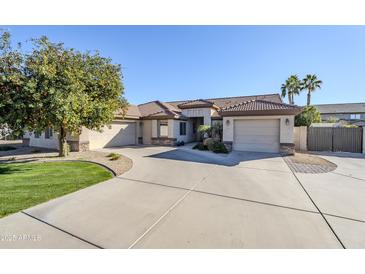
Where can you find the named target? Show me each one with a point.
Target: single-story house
(350, 112)
(250, 123)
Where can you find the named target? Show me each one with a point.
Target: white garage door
(120, 134)
(256, 135)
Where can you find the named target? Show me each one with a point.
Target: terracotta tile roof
(258, 107)
(265, 104)
(131, 112)
(158, 109)
(196, 103)
(228, 101)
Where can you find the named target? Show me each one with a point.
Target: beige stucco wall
(363, 140)
(189, 131)
(154, 128)
(147, 132)
(300, 138)
(206, 113)
(286, 131)
(101, 139)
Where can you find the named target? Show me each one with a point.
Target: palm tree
(292, 87)
(311, 83)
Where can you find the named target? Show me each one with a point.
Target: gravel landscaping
(32, 154)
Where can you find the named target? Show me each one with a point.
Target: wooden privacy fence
(335, 139)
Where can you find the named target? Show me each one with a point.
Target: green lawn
(23, 185)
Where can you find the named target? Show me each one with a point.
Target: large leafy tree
(291, 87)
(65, 89)
(311, 83)
(14, 110)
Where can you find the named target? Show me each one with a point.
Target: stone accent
(163, 141)
(228, 145)
(26, 142)
(287, 149)
(84, 146)
(77, 146)
(308, 168)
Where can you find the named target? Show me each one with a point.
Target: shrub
(200, 146)
(309, 115)
(114, 157)
(218, 147)
(112, 154)
(180, 143)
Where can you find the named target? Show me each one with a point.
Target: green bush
(218, 147)
(209, 143)
(200, 146)
(309, 115)
(113, 156)
(205, 131)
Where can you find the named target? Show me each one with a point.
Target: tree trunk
(309, 97)
(63, 151)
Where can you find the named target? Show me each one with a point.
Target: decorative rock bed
(305, 163)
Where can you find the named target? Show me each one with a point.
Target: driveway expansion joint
(62, 230)
(165, 214)
(320, 212)
(223, 196)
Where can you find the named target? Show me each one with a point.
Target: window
(163, 129)
(36, 134)
(48, 133)
(182, 128)
(354, 116)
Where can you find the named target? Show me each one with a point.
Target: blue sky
(187, 62)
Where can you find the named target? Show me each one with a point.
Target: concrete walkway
(179, 198)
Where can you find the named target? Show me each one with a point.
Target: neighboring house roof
(341, 108)
(260, 107)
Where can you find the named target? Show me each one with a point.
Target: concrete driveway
(180, 198)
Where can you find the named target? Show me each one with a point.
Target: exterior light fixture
(228, 122)
(287, 121)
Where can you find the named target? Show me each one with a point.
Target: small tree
(205, 130)
(309, 115)
(217, 130)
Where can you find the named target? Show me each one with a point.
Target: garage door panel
(272, 148)
(257, 135)
(256, 140)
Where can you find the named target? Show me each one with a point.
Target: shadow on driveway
(232, 159)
